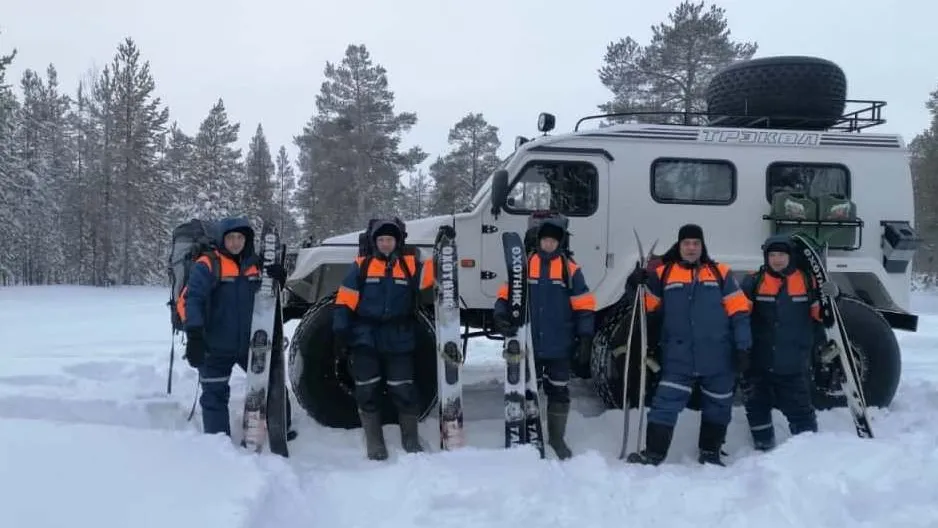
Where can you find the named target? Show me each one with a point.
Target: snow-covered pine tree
(285, 199)
(177, 161)
(351, 159)
(41, 179)
(9, 168)
(459, 174)
(141, 203)
(671, 73)
(924, 164)
(78, 215)
(416, 200)
(216, 179)
(259, 180)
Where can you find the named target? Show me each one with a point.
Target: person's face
(690, 249)
(386, 244)
(778, 260)
(549, 245)
(234, 242)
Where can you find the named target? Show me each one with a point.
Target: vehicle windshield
(485, 186)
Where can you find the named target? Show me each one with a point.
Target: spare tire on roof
(806, 93)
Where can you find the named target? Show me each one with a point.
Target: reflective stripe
(371, 381)
(396, 383)
(556, 383)
(677, 386)
(715, 395)
(762, 427)
(215, 380)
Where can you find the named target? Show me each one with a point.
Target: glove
(340, 346)
(584, 350)
(276, 272)
(195, 348)
(830, 289)
(638, 276)
(743, 361)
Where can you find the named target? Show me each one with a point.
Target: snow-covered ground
(89, 438)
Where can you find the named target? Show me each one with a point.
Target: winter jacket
(558, 314)
(224, 308)
(382, 315)
(786, 318)
(697, 325)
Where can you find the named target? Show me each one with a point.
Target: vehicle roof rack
(870, 115)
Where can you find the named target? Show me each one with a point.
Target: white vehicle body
(620, 168)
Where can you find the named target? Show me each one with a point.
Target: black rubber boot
(763, 445)
(557, 414)
(374, 435)
(657, 442)
(710, 443)
(410, 439)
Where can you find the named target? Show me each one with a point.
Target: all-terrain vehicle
(776, 151)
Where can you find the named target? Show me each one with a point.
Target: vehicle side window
(811, 179)
(570, 188)
(693, 181)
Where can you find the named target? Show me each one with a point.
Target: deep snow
(88, 437)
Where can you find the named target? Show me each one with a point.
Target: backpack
(531, 241)
(190, 241)
(367, 249)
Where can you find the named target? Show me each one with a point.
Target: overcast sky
(508, 59)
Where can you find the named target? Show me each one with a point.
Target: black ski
(514, 351)
(449, 354)
(277, 418)
(837, 336)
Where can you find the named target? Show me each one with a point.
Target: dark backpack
(190, 241)
(367, 249)
(531, 242)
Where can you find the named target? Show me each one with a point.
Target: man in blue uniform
(373, 324)
(699, 320)
(218, 310)
(562, 322)
(786, 324)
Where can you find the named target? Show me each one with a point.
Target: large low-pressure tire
(807, 93)
(325, 390)
(877, 353)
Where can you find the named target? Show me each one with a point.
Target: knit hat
(690, 231)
